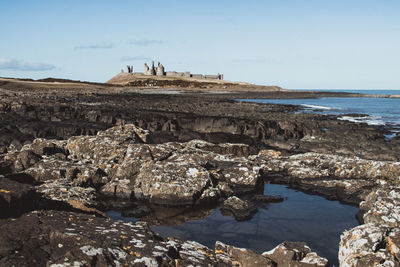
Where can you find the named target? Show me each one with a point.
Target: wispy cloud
(254, 60)
(95, 46)
(146, 42)
(18, 65)
(136, 58)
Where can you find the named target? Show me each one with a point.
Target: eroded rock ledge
(77, 173)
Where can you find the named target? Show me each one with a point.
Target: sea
(383, 111)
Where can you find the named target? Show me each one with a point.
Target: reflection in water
(300, 217)
(175, 216)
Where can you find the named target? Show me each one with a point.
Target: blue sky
(342, 44)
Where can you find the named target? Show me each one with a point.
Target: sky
(296, 44)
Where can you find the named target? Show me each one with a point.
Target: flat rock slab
(73, 239)
(60, 238)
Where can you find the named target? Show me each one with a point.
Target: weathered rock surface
(59, 238)
(370, 245)
(266, 198)
(295, 254)
(166, 182)
(382, 206)
(29, 112)
(50, 112)
(66, 191)
(66, 238)
(378, 240)
(232, 256)
(239, 208)
(349, 179)
(118, 163)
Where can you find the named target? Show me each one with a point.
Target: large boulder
(295, 254)
(171, 182)
(242, 176)
(239, 208)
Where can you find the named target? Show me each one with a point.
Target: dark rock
(136, 212)
(295, 254)
(16, 198)
(233, 256)
(3, 149)
(21, 177)
(47, 147)
(349, 179)
(5, 167)
(238, 150)
(266, 199)
(209, 197)
(54, 169)
(65, 191)
(67, 238)
(28, 158)
(240, 209)
(175, 215)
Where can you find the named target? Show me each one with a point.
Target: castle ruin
(160, 71)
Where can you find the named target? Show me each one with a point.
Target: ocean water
(373, 111)
(300, 217)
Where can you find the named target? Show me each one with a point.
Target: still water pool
(300, 217)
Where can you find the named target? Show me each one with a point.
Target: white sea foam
(316, 107)
(370, 120)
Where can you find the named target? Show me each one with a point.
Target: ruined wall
(197, 76)
(175, 74)
(160, 71)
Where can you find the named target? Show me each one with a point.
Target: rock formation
(75, 173)
(67, 157)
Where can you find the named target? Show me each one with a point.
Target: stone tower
(153, 69)
(160, 70)
(146, 69)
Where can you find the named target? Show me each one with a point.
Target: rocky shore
(68, 156)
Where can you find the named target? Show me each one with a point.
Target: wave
(317, 107)
(370, 120)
